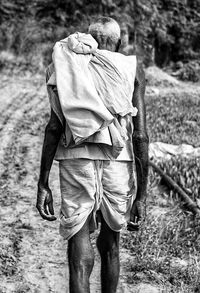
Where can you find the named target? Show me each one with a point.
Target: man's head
(106, 32)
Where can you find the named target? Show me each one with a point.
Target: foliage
(189, 71)
(174, 117)
(166, 250)
(185, 172)
(159, 31)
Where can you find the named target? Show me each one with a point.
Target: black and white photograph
(100, 146)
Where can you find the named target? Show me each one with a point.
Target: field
(162, 257)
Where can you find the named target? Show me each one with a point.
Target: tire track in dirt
(33, 263)
(40, 257)
(11, 124)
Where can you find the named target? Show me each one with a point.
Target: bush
(190, 71)
(161, 31)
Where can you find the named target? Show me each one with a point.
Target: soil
(32, 254)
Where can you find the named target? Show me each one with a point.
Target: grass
(174, 118)
(185, 172)
(166, 249)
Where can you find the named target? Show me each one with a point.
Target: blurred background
(162, 32)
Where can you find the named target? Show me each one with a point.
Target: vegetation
(161, 32)
(166, 250)
(172, 114)
(185, 172)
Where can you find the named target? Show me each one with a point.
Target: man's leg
(81, 260)
(108, 246)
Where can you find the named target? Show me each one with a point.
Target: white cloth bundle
(94, 86)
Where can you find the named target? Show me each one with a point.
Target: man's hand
(138, 213)
(45, 203)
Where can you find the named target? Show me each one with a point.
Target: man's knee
(80, 268)
(82, 262)
(108, 245)
(80, 252)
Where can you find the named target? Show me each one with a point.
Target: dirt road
(32, 254)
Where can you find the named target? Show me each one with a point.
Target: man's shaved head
(106, 31)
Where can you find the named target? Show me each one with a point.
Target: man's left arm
(140, 147)
(53, 132)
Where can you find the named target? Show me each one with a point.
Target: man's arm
(53, 132)
(140, 147)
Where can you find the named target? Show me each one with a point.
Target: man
(97, 175)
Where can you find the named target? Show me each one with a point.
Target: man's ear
(118, 45)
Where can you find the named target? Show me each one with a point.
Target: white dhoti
(91, 185)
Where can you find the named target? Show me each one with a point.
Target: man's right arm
(140, 147)
(53, 132)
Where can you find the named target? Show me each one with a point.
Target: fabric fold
(93, 89)
(84, 112)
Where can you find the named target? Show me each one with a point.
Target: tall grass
(166, 251)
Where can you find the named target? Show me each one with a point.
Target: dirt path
(32, 254)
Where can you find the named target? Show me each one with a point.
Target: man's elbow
(141, 146)
(53, 129)
(141, 136)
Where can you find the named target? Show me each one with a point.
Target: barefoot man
(97, 132)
